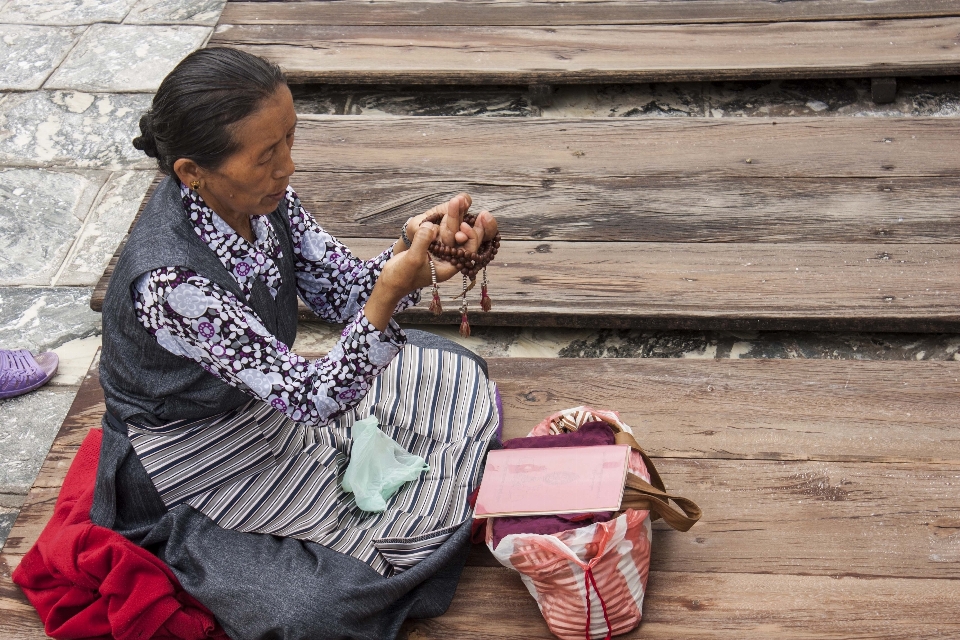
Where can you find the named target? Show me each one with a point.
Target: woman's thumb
(426, 233)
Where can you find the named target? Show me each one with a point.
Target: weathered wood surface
(636, 208)
(535, 149)
(889, 287)
(18, 619)
(842, 181)
(812, 518)
(552, 13)
(804, 410)
(492, 603)
(756, 180)
(601, 54)
(812, 471)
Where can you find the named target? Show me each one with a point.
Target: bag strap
(653, 496)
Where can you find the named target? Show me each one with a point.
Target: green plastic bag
(378, 466)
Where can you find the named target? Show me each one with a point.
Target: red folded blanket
(87, 581)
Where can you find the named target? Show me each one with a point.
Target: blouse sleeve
(195, 318)
(333, 283)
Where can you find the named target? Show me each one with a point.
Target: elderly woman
(223, 450)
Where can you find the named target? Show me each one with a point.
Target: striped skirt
(255, 470)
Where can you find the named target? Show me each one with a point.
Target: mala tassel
(485, 302)
(469, 264)
(464, 321)
(435, 307)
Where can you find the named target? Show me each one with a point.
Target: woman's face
(253, 180)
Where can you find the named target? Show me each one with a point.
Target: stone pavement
(75, 76)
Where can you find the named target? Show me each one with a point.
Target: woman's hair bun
(146, 141)
(197, 104)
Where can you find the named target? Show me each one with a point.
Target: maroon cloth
(588, 435)
(87, 581)
(591, 434)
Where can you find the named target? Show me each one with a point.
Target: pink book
(530, 482)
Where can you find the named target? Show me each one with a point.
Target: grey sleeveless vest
(141, 378)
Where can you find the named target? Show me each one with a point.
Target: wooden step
(803, 224)
(828, 489)
(592, 53)
(513, 13)
(492, 604)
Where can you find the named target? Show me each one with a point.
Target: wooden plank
(792, 406)
(835, 287)
(33, 517)
(796, 287)
(557, 148)
(805, 410)
(552, 13)
(84, 414)
(602, 54)
(492, 603)
(600, 179)
(584, 207)
(18, 618)
(813, 518)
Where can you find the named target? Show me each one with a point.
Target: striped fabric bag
(590, 582)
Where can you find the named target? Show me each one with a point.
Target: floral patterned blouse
(191, 316)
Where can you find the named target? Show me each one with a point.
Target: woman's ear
(188, 171)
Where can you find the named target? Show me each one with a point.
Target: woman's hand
(454, 232)
(402, 274)
(409, 269)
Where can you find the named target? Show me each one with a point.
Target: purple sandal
(21, 372)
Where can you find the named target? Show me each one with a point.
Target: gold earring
(195, 185)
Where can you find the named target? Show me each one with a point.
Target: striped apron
(254, 469)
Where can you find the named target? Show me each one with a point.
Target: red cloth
(87, 581)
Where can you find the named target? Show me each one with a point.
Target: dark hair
(196, 104)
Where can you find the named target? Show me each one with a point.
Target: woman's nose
(286, 167)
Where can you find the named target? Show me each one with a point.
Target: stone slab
(126, 58)
(11, 500)
(407, 101)
(105, 227)
(198, 12)
(29, 54)
(72, 129)
(7, 518)
(529, 342)
(76, 358)
(920, 97)
(29, 424)
(44, 318)
(917, 97)
(41, 213)
(770, 344)
(64, 12)
(627, 101)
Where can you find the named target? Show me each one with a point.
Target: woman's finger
(464, 234)
(489, 224)
(426, 234)
(453, 216)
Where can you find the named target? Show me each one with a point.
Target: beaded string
(435, 305)
(469, 264)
